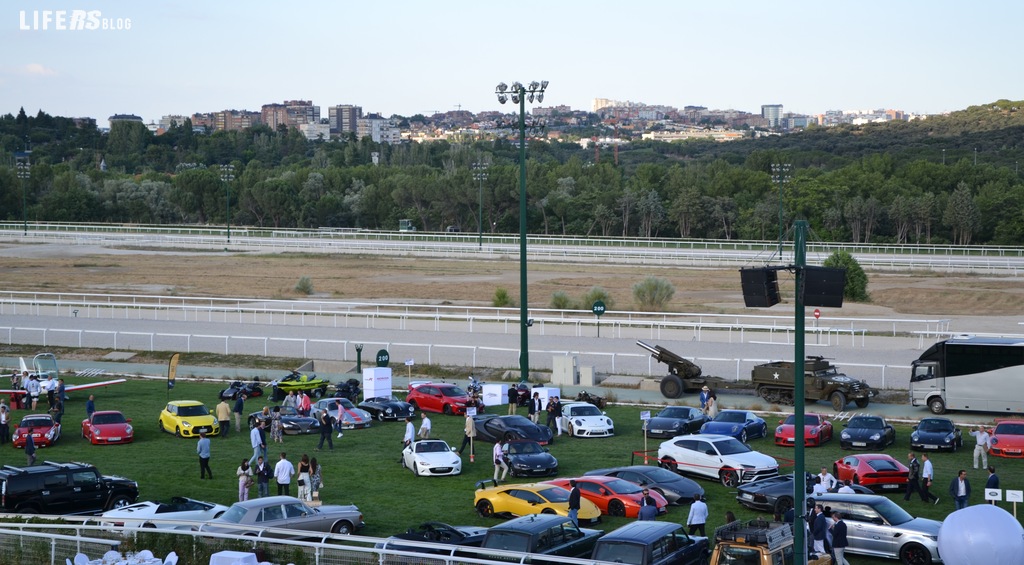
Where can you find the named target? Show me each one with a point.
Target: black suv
(63, 488)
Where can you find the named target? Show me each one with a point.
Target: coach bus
(984, 374)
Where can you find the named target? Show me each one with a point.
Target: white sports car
(432, 457)
(582, 419)
(164, 515)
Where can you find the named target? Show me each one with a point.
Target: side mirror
(846, 424)
(914, 428)
(129, 420)
(780, 422)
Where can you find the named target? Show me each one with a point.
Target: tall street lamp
(227, 175)
(519, 94)
(480, 174)
(24, 173)
(780, 175)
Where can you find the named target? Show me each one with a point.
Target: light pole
(780, 175)
(943, 156)
(519, 95)
(480, 174)
(227, 175)
(24, 173)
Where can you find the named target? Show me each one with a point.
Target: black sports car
(491, 428)
(867, 432)
(675, 421)
(292, 423)
(775, 494)
(388, 408)
(675, 488)
(251, 390)
(436, 532)
(936, 433)
(526, 458)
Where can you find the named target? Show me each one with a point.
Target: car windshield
(623, 487)
(36, 421)
(431, 447)
(289, 411)
(391, 398)
(524, 448)
(660, 475)
(554, 494)
(809, 420)
(1010, 428)
(866, 423)
(233, 515)
(199, 410)
(935, 426)
(731, 417)
(346, 403)
(675, 412)
(620, 552)
(586, 410)
(113, 418)
(891, 512)
(452, 391)
(731, 446)
(883, 464)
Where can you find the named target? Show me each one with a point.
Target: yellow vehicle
(187, 418)
(530, 498)
(757, 542)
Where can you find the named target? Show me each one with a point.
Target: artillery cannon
(683, 375)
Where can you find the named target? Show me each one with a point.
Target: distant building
(772, 113)
(379, 129)
(290, 113)
(235, 120)
(344, 118)
(316, 132)
(124, 118)
(166, 122)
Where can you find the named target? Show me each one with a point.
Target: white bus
(984, 374)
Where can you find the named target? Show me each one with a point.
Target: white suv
(582, 419)
(716, 457)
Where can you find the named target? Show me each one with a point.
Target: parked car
(251, 517)
(432, 457)
(877, 526)
(817, 430)
(868, 432)
(545, 534)
(876, 471)
(676, 420)
(45, 431)
(530, 498)
(63, 488)
(161, 515)
(438, 397)
(675, 488)
(388, 408)
(1007, 439)
(352, 417)
(107, 427)
(188, 418)
(937, 434)
(651, 543)
(250, 389)
(740, 424)
(583, 419)
(491, 428)
(527, 458)
(292, 423)
(614, 496)
(435, 532)
(775, 495)
(713, 456)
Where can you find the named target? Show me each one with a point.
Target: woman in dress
(244, 480)
(305, 493)
(276, 428)
(316, 477)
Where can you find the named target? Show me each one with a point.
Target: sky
(423, 56)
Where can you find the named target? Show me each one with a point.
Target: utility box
(495, 394)
(376, 382)
(587, 376)
(564, 371)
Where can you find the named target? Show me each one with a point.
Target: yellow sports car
(530, 498)
(187, 418)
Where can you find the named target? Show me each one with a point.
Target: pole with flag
(172, 369)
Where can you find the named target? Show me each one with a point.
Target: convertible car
(156, 514)
(388, 408)
(675, 488)
(936, 433)
(296, 381)
(877, 471)
(817, 430)
(431, 457)
(530, 498)
(438, 532)
(676, 420)
(106, 427)
(292, 423)
(740, 424)
(352, 417)
(491, 428)
(251, 390)
(775, 495)
(526, 458)
(187, 418)
(614, 496)
(45, 430)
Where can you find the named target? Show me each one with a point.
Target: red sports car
(817, 430)
(877, 471)
(614, 496)
(438, 397)
(45, 431)
(108, 426)
(1007, 440)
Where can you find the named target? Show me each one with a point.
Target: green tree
(856, 280)
(962, 214)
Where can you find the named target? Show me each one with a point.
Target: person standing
(305, 492)
(705, 394)
(239, 410)
(960, 490)
(424, 432)
(839, 539)
(283, 472)
(33, 389)
(50, 386)
(847, 488)
(410, 433)
(276, 426)
(316, 478)
(30, 448)
(828, 480)
(698, 516)
(513, 399)
(574, 502)
(914, 478)
(60, 394)
(470, 432)
(993, 480)
(263, 474)
(555, 414)
(326, 431)
(203, 450)
(819, 527)
(258, 441)
(712, 405)
(5, 424)
(535, 407)
(648, 507)
(500, 465)
(244, 473)
(90, 407)
(927, 477)
(291, 400)
(981, 447)
(223, 412)
(304, 404)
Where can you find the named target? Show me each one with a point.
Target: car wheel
(729, 478)
(838, 401)
(119, 502)
(862, 402)
(149, 525)
(485, 508)
(547, 511)
(380, 416)
(28, 509)
(343, 527)
(782, 504)
(671, 386)
(448, 409)
(743, 435)
(160, 425)
(616, 508)
(915, 554)
(318, 393)
(571, 431)
(670, 464)
(764, 430)
(856, 480)
(937, 406)
(416, 470)
(177, 431)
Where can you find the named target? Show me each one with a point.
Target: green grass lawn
(363, 470)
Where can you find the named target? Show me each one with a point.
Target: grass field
(362, 469)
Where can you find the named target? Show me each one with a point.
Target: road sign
(598, 308)
(383, 358)
(817, 313)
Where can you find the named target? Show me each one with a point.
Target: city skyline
(417, 58)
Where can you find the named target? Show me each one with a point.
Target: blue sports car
(937, 434)
(740, 424)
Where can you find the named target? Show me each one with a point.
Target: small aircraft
(45, 365)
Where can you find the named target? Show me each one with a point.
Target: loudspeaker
(760, 287)
(824, 286)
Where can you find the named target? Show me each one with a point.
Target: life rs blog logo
(70, 20)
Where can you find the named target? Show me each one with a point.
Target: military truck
(757, 542)
(683, 374)
(822, 381)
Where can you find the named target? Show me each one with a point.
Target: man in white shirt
(408, 438)
(819, 487)
(981, 448)
(827, 480)
(698, 516)
(283, 472)
(846, 488)
(927, 476)
(424, 426)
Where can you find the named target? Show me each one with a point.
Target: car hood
(790, 429)
(862, 433)
(922, 526)
(752, 458)
(534, 459)
(438, 458)
(780, 484)
(657, 422)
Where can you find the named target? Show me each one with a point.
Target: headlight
(704, 429)
(845, 435)
(778, 430)
(914, 437)
(185, 424)
(949, 438)
(994, 441)
(578, 422)
(735, 428)
(876, 437)
(128, 430)
(387, 410)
